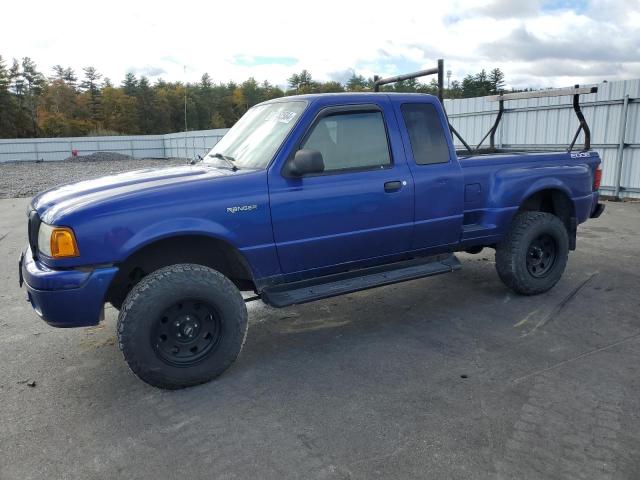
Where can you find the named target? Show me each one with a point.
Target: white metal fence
(178, 145)
(542, 123)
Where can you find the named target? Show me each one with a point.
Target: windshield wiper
(227, 159)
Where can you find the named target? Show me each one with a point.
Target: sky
(536, 43)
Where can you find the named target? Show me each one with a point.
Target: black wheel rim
(186, 333)
(541, 255)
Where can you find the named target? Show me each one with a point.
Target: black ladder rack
(576, 91)
(501, 98)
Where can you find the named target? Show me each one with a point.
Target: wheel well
(197, 249)
(557, 203)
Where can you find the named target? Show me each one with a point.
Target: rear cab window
(428, 141)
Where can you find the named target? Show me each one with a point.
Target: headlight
(57, 242)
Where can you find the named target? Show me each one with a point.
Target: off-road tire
(152, 296)
(512, 252)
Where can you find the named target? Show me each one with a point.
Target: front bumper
(65, 298)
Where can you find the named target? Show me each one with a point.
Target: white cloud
(330, 38)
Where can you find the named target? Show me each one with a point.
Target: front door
(359, 208)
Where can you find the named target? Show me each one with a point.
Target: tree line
(66, 104)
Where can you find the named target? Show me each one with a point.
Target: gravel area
(25, 179)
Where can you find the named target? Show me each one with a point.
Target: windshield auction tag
(286, 117)
(281, 117)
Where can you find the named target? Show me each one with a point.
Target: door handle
(393, 186)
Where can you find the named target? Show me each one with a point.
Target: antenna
(184, 71)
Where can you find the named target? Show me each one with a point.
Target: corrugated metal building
(613, 115)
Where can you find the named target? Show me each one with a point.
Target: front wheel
(534, 253)
(181, 326)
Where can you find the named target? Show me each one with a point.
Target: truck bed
(497, 183)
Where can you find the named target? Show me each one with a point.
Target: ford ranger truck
(305, 198)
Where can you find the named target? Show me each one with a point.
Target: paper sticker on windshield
(282, 117)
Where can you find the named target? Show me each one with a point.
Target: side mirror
(305, 162)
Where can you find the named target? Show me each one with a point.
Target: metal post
(441, 80)
(495, 127)
(584, 126)
(455, 132)
(492, 130)
(376, 87)
(621, 145)
(186, 155)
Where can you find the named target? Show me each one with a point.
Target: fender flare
(185, 226)
(544, 184)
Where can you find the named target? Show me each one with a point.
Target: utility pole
(448, 78)
(186, 155)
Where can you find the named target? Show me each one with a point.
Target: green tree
(70, 78)
(409, 86)
(130, 84)
(145, 97)
(33, 83)
(496, 80)
(329, 87)
(7, 106)
(205, 81)
(92, 91)
(58, 97)
(270, 92)
(217, 121)
(455, 90)
(356, 83)
(119, 111)
(483, 86)
(469, 86)
(301, 82)
(58, 72)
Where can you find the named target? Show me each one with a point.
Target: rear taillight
(597, 178)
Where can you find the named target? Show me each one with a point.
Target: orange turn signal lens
(63, 243)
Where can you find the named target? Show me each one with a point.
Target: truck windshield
(254, 139)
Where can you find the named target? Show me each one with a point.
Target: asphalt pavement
(449, 377)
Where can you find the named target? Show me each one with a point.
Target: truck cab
(365, 198)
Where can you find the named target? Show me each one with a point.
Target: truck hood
(65, 199)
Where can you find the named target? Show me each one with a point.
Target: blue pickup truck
(306, 197)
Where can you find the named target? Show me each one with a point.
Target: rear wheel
(534, 253)
(181, 326)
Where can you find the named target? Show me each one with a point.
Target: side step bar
(353, 281)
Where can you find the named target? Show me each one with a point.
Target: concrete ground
(447, 378)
